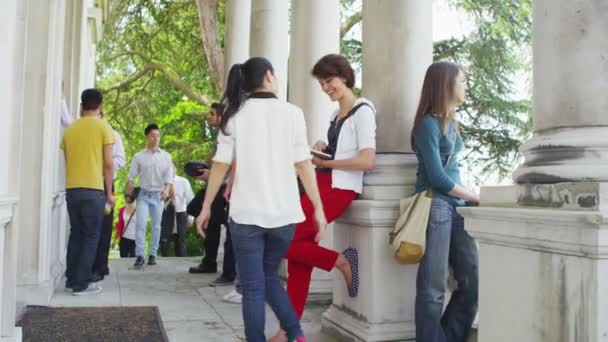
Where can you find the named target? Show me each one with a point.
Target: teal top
(433, 148)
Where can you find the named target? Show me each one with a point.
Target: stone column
(315, 32)
(238, 25)
(570, 141)
(11, 62)
(397, 49)
(269, 36)
(544, 243)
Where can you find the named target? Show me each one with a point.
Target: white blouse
(358, 133)
(267, 136)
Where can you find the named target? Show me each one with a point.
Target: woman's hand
(318, 162)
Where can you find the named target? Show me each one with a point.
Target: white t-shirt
(129, 231)
(267, 136)
(183, 193)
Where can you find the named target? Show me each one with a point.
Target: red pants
(304, 253)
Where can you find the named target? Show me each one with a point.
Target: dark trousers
(127, 248)
(100, 266)
(167, 223)
(229, 265)
(181, 219)
(212, 241)
(171, 218)
(85, 209)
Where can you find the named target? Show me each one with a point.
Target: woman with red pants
(351, 143)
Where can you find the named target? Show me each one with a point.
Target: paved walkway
(190, 310)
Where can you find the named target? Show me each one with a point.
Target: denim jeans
(148, 204)
(86, 211)
(447, 244)
(258, 253)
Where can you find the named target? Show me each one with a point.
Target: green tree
(494, 120)
(161, 61)
(153, 67)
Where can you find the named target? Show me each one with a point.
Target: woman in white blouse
(268, 137)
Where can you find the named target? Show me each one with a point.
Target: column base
(384, 307)
(343, 326)
(567, 154)
(543, 264)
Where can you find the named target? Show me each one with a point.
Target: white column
(397, 49)
(570, 141)
(11, 64)
(315, 32)
(269, 36)
(238, 27)
(543, 272)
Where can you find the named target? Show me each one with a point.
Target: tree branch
(207, 15)
(129, 80)
(349, 23)
(174, 78)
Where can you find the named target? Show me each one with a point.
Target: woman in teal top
(437, 143)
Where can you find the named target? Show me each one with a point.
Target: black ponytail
(242, 80)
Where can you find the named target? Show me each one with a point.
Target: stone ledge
(585, 196)
(579, 233)
(371, 214)
(7, 210)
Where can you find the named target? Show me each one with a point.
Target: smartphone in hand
(321, 155)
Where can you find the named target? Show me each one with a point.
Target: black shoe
(96, 277)
(139, 262)
(151, 260)
(202, 268)
(221, 281)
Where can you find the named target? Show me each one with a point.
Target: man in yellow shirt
(87, 147)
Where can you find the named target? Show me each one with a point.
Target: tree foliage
(153, 66)
(495, 118)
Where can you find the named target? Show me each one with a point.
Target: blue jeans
(86, 211)
(447, 244)
(148, 204)
(259, 252)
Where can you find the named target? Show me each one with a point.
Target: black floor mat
(92, 324)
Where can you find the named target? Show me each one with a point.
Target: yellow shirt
(82, 144)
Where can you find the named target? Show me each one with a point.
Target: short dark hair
(91, 99)
(334, 65)
(217, 107)
(151, 127)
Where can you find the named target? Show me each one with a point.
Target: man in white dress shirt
(153, 168)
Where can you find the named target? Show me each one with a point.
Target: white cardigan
(358, 133)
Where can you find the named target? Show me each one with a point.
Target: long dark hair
(242, 80)
(437, 92)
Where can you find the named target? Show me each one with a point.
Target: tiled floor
(190, 310)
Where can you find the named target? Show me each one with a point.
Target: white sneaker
(233, 297)
(92, 289)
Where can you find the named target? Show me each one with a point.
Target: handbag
(408, 238)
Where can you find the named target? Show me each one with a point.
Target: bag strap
(129, 220)
(352, 112)
(429, 191)
(455, 136)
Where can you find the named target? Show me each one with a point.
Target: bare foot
(344, 266)
(280, 336)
